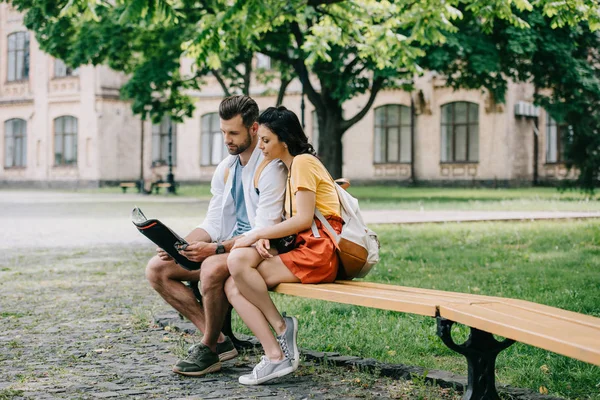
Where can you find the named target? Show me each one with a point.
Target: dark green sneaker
(226, 350)
(201, 360)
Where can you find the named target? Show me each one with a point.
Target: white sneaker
(266, 370)
(289, 340)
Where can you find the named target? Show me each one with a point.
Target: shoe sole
(296, 360)
(213, 368)
(267, 378)
(228, 355)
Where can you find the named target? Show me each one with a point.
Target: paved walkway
(75, 318)
(65, 219)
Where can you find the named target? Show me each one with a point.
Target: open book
(163, 237)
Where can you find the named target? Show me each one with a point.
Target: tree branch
(221, 82)
(315, 3)
(282, 87)
(302, 71)
(247, 74)
(375, 88)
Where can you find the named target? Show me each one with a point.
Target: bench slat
(346, 295)
(572, 339)
(475, 298)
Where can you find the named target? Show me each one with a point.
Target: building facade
(68, 128)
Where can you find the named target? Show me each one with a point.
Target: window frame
(62, 138)
(385, 127)
(208, 138)
(163, 159)
(452, 125)
(561, 130)
(21, 137)
(14, 53)
(69, 72)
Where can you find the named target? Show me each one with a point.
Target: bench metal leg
(480, 350)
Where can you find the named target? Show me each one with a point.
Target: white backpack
(357, 245)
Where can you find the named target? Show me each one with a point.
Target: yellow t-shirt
(308, 173)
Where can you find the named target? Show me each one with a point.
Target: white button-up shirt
(263, 209)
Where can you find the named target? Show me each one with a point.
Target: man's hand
(198, 251)
(163, 255)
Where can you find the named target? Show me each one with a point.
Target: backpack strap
(259, 171)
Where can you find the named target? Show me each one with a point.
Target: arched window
(65, 141)
(15, 143)
(315, 131)
(555, 135)
(392, 134)
(213, 147)
(460, 132)
(160, 142)
(18, 56)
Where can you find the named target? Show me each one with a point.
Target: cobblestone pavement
(77, 324)
(77, 316)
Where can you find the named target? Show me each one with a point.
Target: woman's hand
(263, 246)
(245, 241)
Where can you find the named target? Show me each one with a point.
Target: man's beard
(242, 147)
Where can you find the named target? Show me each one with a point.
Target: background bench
(127, 185)
(564, 332)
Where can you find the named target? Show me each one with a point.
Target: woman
(313, 259)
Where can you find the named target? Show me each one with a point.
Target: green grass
(553, 263)
(524, 199)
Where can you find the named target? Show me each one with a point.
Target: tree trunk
(330, 138)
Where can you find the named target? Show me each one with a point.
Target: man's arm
(212, 221)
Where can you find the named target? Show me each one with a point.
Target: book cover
(163, 237)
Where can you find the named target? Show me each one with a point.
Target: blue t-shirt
(237, 192)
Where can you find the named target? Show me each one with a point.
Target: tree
(337, 48)
(562, 63)
(340, 49)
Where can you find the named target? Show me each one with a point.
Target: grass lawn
(553, 263)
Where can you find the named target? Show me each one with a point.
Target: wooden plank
(475, 298)
(572, 339)
(384, 300)
(461, 297)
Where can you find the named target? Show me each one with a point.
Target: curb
(440, 378)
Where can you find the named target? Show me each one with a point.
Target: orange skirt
(314, 259)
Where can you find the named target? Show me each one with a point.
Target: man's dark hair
(239, 105)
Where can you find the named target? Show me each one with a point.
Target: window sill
(381, 164)
(64, 166)
(60, 78)
(15, 168)
(555, 163)
(459, 162)
(16, 82)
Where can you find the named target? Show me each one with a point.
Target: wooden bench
(156, 186)
(564, 332)
(126, 185)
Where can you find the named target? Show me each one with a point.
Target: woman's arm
(302, 220)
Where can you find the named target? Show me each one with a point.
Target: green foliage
(350, 47)
(560, 60)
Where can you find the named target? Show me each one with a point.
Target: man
(236, 207)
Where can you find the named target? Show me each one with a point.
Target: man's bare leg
(213, 274)
(166, 277)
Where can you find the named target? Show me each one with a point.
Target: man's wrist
(219, 248)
